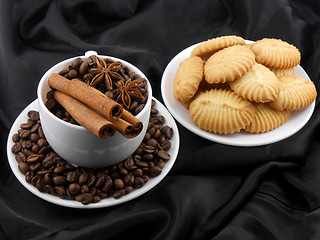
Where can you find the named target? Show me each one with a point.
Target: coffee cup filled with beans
(127, 148)
(99, 106)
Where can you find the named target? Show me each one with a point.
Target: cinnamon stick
(85, 116)
(127, 116)
(125, 128)
(87, 95)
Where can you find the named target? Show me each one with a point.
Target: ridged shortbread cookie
(221, 111)
(276, 53)
(280, 72)
(259, 84)
(228, 64)
(266, 119)
(296, 93)
(207, 48)
(188, 78)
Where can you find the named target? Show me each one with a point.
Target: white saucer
(153, 181)
(295, 122)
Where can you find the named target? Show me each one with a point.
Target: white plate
(295, 122)
(153, 181)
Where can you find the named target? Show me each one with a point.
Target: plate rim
(223, 139)
(107, 202)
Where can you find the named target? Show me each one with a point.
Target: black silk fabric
(213, 191)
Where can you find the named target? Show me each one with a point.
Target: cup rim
(88, 54)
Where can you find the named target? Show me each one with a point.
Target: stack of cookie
(230, 86)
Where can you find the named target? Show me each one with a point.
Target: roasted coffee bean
(60, 190)
(164, 155)
(102, 194)
(149, 149)
(168, 132)
(154, 111)
(133, 106)
(137, 172)
(145, 170)
(47, 178)
(26, 144)
(131, 168)
(161, 119)
(154, 171)
(141, 164)
(160, 164)
(147, 157)
(91, 179)
(35, 167)
(109, 94)
(151, 130)
(72, 176)
(145, 178)
(118, 194)
(107, 185)
(96, 198)
(25, 133)
(25, 125)
(123, 171)
(83, 178)
(43, 172)
(48, 162)
(152, 142)
(73, 73)
(138, 182)
(88, 77)
(16, 147)
(48, 189)
(166, 145)
(157, 134)
(118, 183)
(40, 132)
(138, 108)
(15, 137)
(20, 157)
(76, 63)
(59, 180)
(40, 185)
(42, 142)
(44, 150)
(27, 152)
(83, 68)
(33, 115)
(59, 169)
(100, 181)
(129, 179)
(128, 189)
(33, 158)
(29, 176)
(34, 137)
(85, 189)
(85, 198)
(23, 167)
(34, 128)
(64, 72)
(35, 148)
(74, 188)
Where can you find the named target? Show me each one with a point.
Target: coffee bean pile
(80, 69)
(49, 173)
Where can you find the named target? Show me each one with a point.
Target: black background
(214, 191)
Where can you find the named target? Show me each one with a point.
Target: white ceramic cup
(76, 144)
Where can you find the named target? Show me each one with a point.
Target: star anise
(106, 73)
(125, 91)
